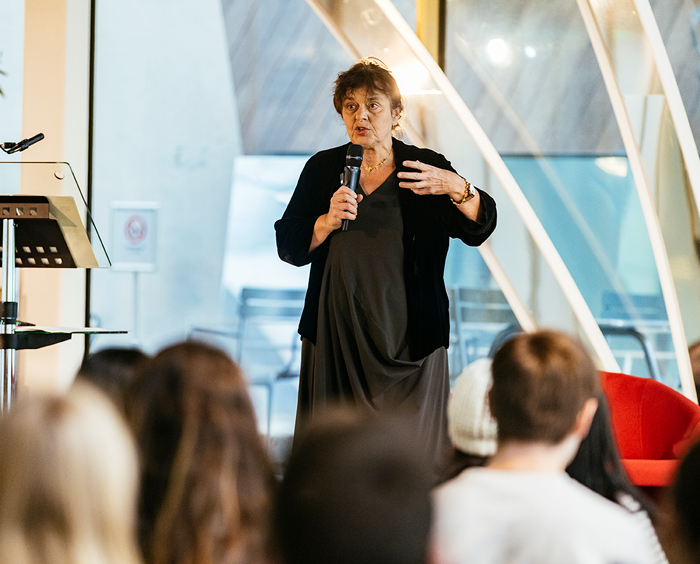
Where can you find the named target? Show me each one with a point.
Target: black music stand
(37, 232)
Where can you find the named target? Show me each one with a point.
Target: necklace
(369, 169)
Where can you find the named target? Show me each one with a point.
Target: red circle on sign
(135, 229)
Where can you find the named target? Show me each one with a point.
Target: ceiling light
(498, 52)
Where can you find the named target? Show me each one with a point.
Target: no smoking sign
(134, 227)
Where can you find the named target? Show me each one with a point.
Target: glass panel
(529, 74)
(526, 267)
(262, 187)
(283, 63)
(52, 179)
(407, 8)
(682, 47)
(679, 24)
(590, 208)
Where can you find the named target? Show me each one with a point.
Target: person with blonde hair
(68, 482)
(206, 480)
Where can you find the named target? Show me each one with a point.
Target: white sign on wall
(134, 230)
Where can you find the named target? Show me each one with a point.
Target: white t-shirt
(511, 517)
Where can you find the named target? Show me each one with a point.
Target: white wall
(166, 130)
(11, 62)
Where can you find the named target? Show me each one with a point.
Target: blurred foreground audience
(206, 481)
(522, 507)
(68, 482)
(681, 523)
(112, 370)
(356, 491)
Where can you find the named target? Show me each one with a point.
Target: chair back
(652, 423)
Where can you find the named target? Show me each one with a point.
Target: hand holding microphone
(351, 172)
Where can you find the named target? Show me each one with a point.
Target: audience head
(597, 463)
(68, 482)
(206, 477)
(111, 370)
(472, 429)
(541, 382)
(685, 509)
(356, 491)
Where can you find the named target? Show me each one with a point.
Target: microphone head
(354, 155)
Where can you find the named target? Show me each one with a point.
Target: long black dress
(361, 355)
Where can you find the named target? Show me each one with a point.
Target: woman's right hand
(343, 206)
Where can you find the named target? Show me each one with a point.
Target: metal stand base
(8, 316)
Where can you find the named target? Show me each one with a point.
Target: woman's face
(368, 118)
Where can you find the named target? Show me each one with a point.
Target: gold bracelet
(468, 194)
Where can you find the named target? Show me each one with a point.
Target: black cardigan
(428, 223)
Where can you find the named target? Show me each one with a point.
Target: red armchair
(653, 425)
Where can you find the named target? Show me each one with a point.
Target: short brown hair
(371, 74)
(541, 381)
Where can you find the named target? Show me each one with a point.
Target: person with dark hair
(375, 324)
(111, 370)
(681, 526)
(597, 466)
(522, 507)
(356, 491)
(206, 480)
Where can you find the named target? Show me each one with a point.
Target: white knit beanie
(471, 427)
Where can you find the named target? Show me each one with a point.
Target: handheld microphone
(10, 148)
(351, 172)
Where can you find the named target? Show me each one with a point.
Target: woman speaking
(375, 324)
